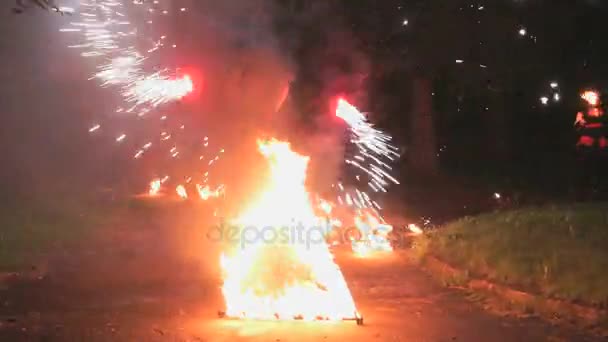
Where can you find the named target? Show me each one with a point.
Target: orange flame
(294, 278)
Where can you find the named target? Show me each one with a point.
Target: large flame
(293, 275)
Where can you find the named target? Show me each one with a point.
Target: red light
(195, 79)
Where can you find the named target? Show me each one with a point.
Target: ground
(150, 277)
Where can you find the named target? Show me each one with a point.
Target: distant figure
(592, 126)
(591, 123)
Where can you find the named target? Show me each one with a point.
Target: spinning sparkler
(122, 52)
(373, 157)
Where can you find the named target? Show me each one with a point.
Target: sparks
(373, 234)
(154, 187)
(181, 191)
(114, 42)
(374, 155)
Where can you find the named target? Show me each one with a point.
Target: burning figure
(591, 123)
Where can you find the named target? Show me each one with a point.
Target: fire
(374, 235)
(291, 277)
(325, 206)
(181, 191)
(154, 187)
(205, 192)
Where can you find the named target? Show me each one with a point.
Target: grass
(557, 251)
(30, 230)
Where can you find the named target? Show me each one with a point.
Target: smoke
(270, 70)
(243, 77)
(248, 56)
(331, 63)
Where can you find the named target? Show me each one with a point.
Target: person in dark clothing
(592, 147)
(591, 123)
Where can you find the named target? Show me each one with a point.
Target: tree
(476, 50)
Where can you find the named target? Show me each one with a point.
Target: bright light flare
(206, 193)
(591, 96)
(415, 229)
(374, 235)
(154, 189)
(181, 191)
(158, 89)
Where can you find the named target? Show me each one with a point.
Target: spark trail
(372, 159)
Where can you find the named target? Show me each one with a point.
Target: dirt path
(157, 280)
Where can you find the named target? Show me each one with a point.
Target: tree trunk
(498, 129)
(423, 148)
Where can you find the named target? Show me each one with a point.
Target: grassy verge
(558, 252)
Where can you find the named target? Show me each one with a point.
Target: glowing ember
(296, 277)
(374, 235)
(206, 193)
(325, 206)
(181, 191)
(415, 229)
(154, 187)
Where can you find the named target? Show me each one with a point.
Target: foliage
(557, 251)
